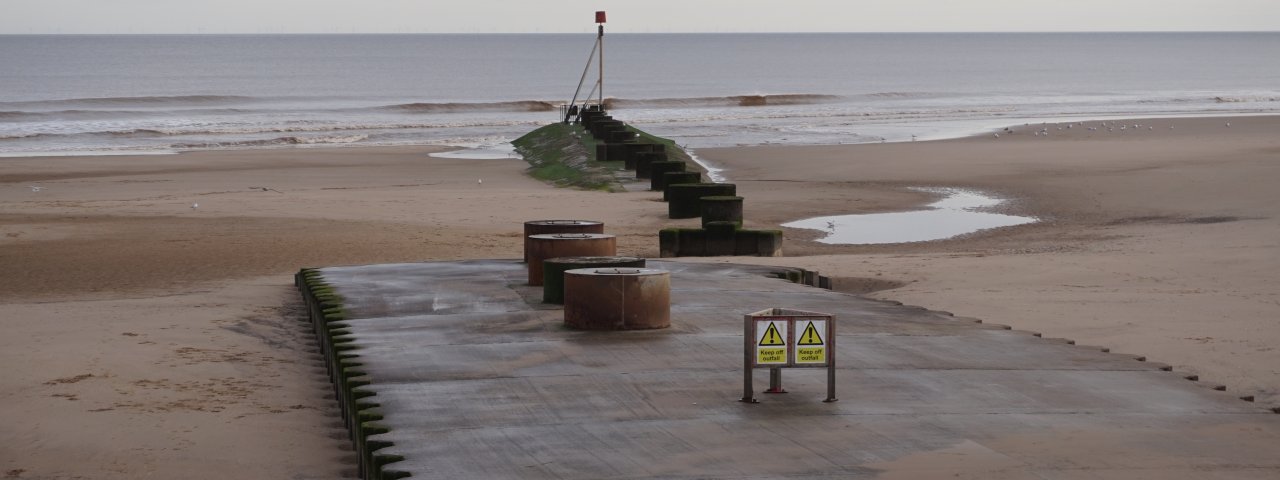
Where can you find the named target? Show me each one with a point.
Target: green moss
(326, 309)
(369, 415)
(373, 428)
(565, 155)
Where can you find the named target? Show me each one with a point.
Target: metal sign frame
(760, 346)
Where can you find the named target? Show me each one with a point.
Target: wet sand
(1154, 241)
(153, 338)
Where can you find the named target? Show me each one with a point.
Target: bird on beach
(479, 181)
(997, 135)
(35, 188)
(1228, 124)
(195, 206)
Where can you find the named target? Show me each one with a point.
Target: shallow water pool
(957, 213)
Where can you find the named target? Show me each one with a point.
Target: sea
(134, 94)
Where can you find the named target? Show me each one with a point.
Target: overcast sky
(467, 16)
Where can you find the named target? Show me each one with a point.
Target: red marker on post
(600, 20)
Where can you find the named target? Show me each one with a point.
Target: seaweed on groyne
(359, 408)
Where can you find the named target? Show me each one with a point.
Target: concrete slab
(470, 376)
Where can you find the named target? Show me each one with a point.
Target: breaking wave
(1247, 99)
(235, 130)
(516, 106)
(727, 101)
(148, 101)
(15, 136)
(82, 114)
(290, 140)
(621, 103)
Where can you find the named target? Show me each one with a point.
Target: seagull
(195, 206)
(913, 137)
(997, 135)
(479, 181)
(1228, 124)
(35, 188)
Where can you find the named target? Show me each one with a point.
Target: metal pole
(831, 359)
(585, 69)
(600, 39)
(748, 341)
(775, 381)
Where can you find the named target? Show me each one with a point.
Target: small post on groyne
(600, 41)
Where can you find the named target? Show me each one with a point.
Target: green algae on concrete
(566, 155)
(360, 413)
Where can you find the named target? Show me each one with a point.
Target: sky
(632, 16)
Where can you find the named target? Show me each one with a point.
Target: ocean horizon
(174, 92)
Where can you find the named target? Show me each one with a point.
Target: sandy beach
(155, 331)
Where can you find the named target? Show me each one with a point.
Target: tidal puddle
(956, 214)
(490, 151)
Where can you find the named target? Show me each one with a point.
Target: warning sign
(810, 345)
(771, 344)
(782, 338)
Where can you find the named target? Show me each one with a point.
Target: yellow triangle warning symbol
(810, 336)
(772, 337)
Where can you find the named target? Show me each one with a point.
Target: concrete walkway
(477, 379)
